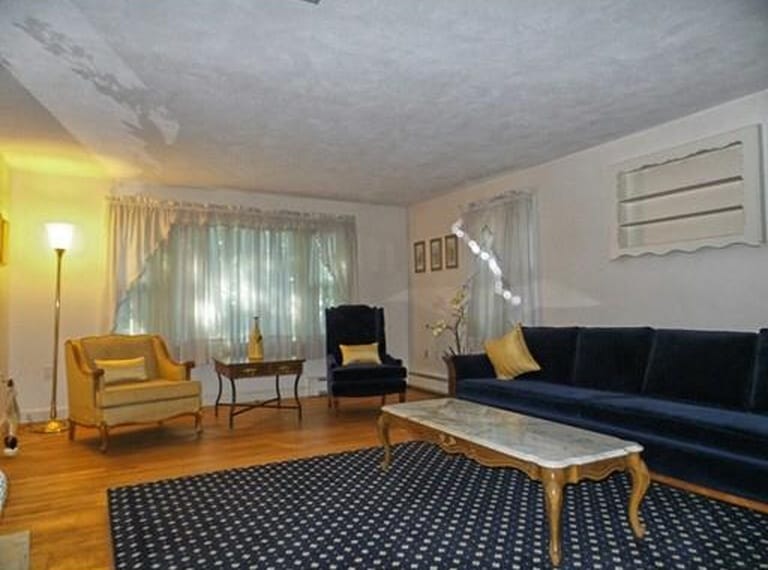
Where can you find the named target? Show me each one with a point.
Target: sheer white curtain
(212, 269)
(505, 227)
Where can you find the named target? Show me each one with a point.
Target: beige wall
(4, 271)
(578, 283)
(37, 197)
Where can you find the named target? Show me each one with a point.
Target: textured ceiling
(387, 101)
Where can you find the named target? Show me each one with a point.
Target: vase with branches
(455, 324)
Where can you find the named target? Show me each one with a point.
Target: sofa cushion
(509, 355)
(375, 387)
(612, 358)
(554, 349)
(759, 394)
(531, 394)
(354, 372)
(129, 393)
(733, 430)
(702, 366)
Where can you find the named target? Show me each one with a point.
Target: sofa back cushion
(759, 396)
(554, 349)
(711, 367)
(612, 358)
(120, 347)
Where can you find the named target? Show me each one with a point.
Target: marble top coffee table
(553, 453)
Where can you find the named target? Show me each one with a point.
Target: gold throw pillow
(360, 353)
(510, 355)
(129, 369)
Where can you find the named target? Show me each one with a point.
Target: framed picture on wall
(419, 257)
(436, 254)
(451, 252)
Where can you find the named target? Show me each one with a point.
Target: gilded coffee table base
(552, 480)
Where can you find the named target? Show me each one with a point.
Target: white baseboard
(247, 390)
(437, 386)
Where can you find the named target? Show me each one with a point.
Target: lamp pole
(60, 238)
(54, 424)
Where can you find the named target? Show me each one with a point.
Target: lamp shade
(59, 235)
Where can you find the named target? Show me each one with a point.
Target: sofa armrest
(461, 366)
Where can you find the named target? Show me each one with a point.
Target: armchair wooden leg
(330, 401)
(401, 397)
(104, 433)
(72, 426)
(383, 399)
(336, 404)
(199, 422)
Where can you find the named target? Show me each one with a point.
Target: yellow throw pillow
(132, 369)
(510, 355)
(360, 353)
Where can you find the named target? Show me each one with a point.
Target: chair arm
(82, 381)
(172, 370)
(391, 361)
(168, 368)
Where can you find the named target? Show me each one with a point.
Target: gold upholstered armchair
(117, 380)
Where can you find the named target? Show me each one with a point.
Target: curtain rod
(143, 199)
(508, 196)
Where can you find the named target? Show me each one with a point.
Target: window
(202, 285)
(501, 234)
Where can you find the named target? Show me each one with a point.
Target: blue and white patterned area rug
(430, 510)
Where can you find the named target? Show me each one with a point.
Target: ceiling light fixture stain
(151, 118)
(56, 54)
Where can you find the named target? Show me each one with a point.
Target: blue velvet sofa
(696, 400)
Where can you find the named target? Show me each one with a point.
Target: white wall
(579, 284)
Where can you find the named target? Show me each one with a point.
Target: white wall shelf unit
(707, 193)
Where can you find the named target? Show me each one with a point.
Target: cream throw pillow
(360, 353)
(123, 370)
(510, 355)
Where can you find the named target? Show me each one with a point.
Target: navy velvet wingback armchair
(355, 325)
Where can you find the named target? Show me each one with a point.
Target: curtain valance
(138, 225)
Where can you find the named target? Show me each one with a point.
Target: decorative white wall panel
(704, 193)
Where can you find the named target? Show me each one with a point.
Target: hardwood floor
(58, 488)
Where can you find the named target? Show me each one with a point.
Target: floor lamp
(60, 240)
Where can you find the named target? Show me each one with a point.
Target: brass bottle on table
(255, 342)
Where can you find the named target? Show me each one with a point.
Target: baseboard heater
(428, 376)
